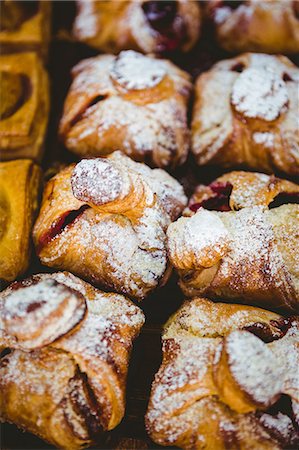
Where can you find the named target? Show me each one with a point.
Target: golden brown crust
(223, 367)
(237, 190)
(133, 103)
(64, 378)
(113, 26)
(25, 26)
(105, 219)
(268, 26)
(249, 255)
(245, 114)
(19, 190)
(24, 111)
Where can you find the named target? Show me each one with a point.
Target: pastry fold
(228, 379)
(25, 26)
(246, 114)
(240, 241)
(19, 195)
(145, 26)
(24, 106)
(105, 220)
(133, 103)
(251, 26)
(65, 363)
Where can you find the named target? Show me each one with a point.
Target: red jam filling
(219, 200)
(162, 18)
(57, 227)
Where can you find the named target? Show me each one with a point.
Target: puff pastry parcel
(65, 360)
(133, 103)
(25, 26)
(246, 114)
(24, 106)
(105, 220)
(268, 26)
(228, 379)
(241, 241)
(19, 189)
(146, 26)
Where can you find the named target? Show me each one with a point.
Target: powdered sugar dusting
(39, 313)
(130, 122)
(253, 245)
(185, 392)
(86, 22)
(280, 424)
(260, 94)
(133, 70)
(97, 181)
(265, 138)
(91, 354)
(122, 244)
(197, 241)
(254, 367)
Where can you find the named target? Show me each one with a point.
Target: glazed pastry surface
(67, 348)
(240, 241)
(252, 26)
(228, 376)
(246, 114)
(24, 106)
(19, 189)
(105, 219)
(133, 103)
(145, 26)
(25, 26)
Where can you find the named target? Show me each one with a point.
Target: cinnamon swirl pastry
(105, 219)
(67, 348)
(246, 113)
(228, 379)
(131, 102)
(145, 26)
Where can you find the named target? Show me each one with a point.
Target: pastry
(25, 26)
(105, 219)
(241, 241)
(132, 103)
(65, 360)
(246, 112)
(24, 106)
(228, 379)
(19, 189)
(253, 26)
(145, 26)
(236, 190)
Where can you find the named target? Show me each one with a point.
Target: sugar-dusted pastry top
(228, 379)
(245, 114)
(267, 26)
(19, 194)
(239, 240)
(105, 219)
(146, 26)
(65, 363)
(133, 103)
(24, 106)
(236, 190)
